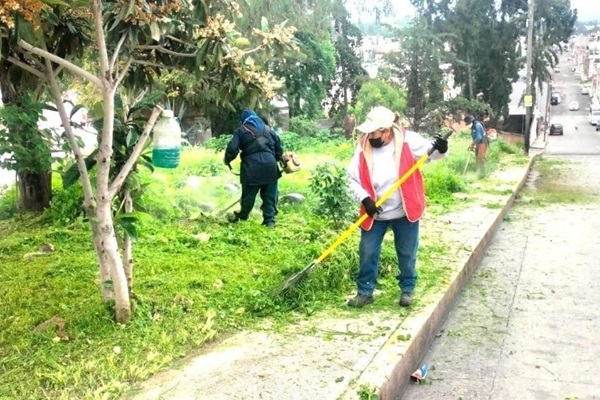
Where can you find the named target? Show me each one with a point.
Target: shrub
(8, 203)
(330, 184)
(303, 127)
(66, 205)
(506, 147)
(218, 144)
(291, 141)
(440, 182)
(378, 93)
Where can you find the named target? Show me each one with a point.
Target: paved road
(580, 137)
(527, 325)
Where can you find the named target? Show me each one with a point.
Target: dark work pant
(268, 194)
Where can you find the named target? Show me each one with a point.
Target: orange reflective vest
(411, 191)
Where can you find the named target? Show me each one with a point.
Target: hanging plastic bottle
(166, 147)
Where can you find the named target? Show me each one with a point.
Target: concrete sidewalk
(333, 358)
(526, 327)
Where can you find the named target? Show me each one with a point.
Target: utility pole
(528, 90)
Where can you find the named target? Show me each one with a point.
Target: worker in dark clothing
(261, 151)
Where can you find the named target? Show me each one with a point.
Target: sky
(586, 9)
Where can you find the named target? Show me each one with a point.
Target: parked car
(573, 106)
(556, 129)
(585, 90)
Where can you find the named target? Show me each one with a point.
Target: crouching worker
(384, 153)
(260, 151)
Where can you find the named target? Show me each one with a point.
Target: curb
(391, 368)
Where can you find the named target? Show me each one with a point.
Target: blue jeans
(406, 240)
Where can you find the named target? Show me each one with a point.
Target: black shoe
(360, 300)
(236, 217)
(270, 224)
(405, 300)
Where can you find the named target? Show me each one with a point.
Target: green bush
(506, 147)
(378, 93)
(8, 203)
(440, 182)
(218, 144)
(330, 184)
(291, 141)
(304, 127)
(66, 205)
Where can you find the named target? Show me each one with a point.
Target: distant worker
(479, 144)
(385, 152)
(261, 151)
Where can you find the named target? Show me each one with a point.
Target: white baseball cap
(379, 117)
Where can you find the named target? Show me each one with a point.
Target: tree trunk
(106, 227)
(106, 286)
(35, 190)
(127, 246)
(111, 259)
(470, 76)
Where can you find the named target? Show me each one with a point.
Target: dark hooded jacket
(260, 149)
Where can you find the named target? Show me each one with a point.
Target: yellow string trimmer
(298, 277)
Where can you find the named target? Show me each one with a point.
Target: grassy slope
(187, 290)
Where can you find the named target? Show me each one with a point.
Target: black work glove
(370, 207)
(440, 144)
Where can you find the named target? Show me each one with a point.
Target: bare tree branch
(167, 51)
(137, 150)
(123, 72)
(100, 38)
(58, 70)
(115, 55)
(60, 61)
(26, 67)
(173, 38)
(88, 193)
(252, 51)
(153, 64)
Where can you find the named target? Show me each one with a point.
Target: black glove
(440, 144)
(370, 207)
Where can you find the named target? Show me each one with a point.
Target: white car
(585, 90)
(573, 106)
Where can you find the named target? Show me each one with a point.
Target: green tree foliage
(312, 16)
(457, 107)
(482, 46)
(65, 31)
(418, 66)
(555, 23)
(330, 184)
(378, 93)
(483, 42)
(351, 74)
(25, 145)
(307, 74)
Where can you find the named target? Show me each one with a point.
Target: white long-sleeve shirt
(384, 173)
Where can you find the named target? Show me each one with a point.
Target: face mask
(378, 142)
